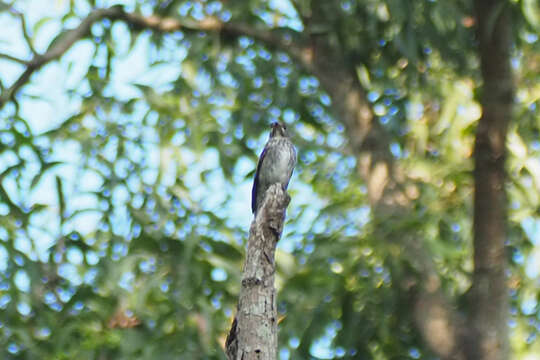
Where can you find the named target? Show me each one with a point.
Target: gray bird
(276, 165)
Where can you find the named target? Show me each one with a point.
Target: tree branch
(153, 22)
(253, 334)
(56, 49)
(285, 40)
(13, 58)
(26, 36)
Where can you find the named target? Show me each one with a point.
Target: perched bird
(276, 164)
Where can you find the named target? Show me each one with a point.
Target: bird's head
(278, 129)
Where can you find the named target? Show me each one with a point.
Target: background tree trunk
(489, 307)
(440, 325)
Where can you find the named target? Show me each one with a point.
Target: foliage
(125, 172)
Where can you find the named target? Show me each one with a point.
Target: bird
(276, 164)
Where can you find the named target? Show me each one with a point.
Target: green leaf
(39, 24)
(531, 12)
(61, 199)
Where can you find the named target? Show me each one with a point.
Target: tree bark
(253, 334)
(489, 295)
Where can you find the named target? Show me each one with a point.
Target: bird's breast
(278, 164)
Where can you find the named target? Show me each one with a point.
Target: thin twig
(26, 36)
(13, 58)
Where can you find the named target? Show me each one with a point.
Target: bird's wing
(256, 182)
(293, 160)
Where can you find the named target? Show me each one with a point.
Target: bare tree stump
(253, 334)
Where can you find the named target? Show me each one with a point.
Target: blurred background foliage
(126, 167)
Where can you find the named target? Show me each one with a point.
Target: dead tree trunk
(253, 334)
